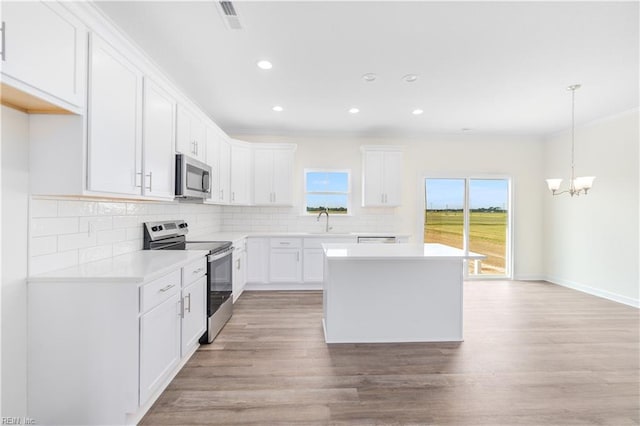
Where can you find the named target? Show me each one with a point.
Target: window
(473, 215)
(327, 189)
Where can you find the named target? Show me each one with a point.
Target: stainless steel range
(171, 235)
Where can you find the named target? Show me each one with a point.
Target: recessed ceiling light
(277, 108)
(369, 77)
(410, 78)
(417, 111)
(265, 65)
(353, 110)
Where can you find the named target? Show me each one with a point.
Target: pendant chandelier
(577, 185)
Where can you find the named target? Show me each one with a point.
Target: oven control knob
(154, 228)
(160, 228)
(184, 225)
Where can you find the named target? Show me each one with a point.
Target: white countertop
(135, 267)
(234, 236)
(395, 251)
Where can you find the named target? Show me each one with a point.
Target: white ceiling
(494, 67)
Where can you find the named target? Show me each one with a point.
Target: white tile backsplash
(54, 226)
(51, 262)
(44, 208)
(67, 232)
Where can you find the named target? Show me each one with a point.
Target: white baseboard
(594, 291)
(529, 278)
(283, 286)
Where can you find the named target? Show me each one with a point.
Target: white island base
(393, 293)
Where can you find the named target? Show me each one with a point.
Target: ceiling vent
(229, 15)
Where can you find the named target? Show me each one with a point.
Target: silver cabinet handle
(3, 28)
(274, 197)
(167, 288)
(189, 305)
(181, 313)
(197, 271)
(233, 196)
(297, 256)
(382, 198)
(150, 175)
(282, 243)
(135, 180)
(222, 194)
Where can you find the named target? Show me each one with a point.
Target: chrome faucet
(325, 211)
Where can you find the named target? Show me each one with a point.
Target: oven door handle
(218, 256)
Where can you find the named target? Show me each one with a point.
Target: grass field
(488, 232)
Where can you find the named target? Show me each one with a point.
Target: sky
(327, 182)
(449, 193)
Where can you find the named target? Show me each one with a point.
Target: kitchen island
(393, 292)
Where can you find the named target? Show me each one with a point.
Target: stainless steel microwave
(193, 178)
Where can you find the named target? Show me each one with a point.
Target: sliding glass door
(471, 214)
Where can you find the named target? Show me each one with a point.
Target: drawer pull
(197, 271)
(167, 288)
(284, 244)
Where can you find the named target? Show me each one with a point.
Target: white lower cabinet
(257, 260)
(194, 314)
(314, 256)
(105, 360)
(313, 265)
(239, 276)
(285, 260)
(159, 344)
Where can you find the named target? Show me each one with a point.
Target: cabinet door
(194, 321)
(257, 260)
(225, 171)
(158, 139)
(184, 143)
(45, 48)
(213, 160)
(283, 177)
(198, 134)
(392, 178)
(239, 279)
(263, 176)
(240, 163)
(372, 193)
(313, 265)
(159, 345)
(115, 117)
(285, 265)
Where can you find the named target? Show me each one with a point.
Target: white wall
(591, 242)
(15, 225)
(519, 158)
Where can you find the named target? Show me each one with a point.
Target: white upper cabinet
(273, 175)
(240, 172)
(381, 176)
(213, 137)
(224, 172)
(44, 53)
(191, 135)
(115, 117)
(159, 140)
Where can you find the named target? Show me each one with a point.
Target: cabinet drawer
(156, 292)
(193, 271)
(286, 242)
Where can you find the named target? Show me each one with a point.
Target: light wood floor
(534, 353)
